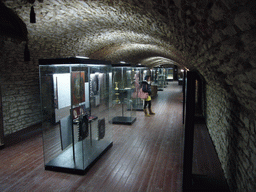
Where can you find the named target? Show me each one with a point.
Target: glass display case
(122, 94)
(159, 77)
(153, 76)
(75, 95)
(169, 74)
(165, 77)
(140, 73)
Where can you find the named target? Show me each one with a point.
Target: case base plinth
(69, 166)
(123, 120)
(137, 108)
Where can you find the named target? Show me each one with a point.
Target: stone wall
(233, 132)
(20, 81)
(223, 41)
(20, 88)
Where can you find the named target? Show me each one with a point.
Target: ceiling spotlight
(122, 62)
(82, 57)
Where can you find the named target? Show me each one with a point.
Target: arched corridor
(215, 38)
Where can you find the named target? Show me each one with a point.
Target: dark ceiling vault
(11, 25)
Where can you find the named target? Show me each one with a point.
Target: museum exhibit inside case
(75, 102)
(153, 76)
(140, 73)
(123, 94)
(159, 77)
(169, 74)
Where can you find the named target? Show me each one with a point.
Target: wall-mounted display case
(122, 94)
(75, 95)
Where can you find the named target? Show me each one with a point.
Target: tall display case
(153, 76)
(140, 73)
(169, 73)
(159, 77)
(75, 95)
(123, 101)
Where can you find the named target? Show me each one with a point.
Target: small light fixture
(32, 15)
(122, 62)
(82, 57)
(32, 12)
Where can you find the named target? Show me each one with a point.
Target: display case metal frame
(81, 133)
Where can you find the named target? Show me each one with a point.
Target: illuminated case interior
(159, 77)
(140, 73)
(123, 95)
(169, 74)
(75, 102)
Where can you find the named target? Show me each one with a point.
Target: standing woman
(146, 87)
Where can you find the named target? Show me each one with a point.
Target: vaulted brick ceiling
(215, 37)
(115, 30)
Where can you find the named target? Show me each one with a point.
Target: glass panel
(100, 129)
(80, 112)
(123, 101)
(159, 78)
(56, 119)
(154, 76)
(139, 75)
(169, 74)
(75, 110)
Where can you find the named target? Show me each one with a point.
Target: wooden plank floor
(146, 156)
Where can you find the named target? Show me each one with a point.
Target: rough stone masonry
(215, 38)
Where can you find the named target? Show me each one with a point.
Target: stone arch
(216, 38)
(11, 24)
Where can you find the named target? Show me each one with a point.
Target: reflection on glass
(75, 114)
(123, 102)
